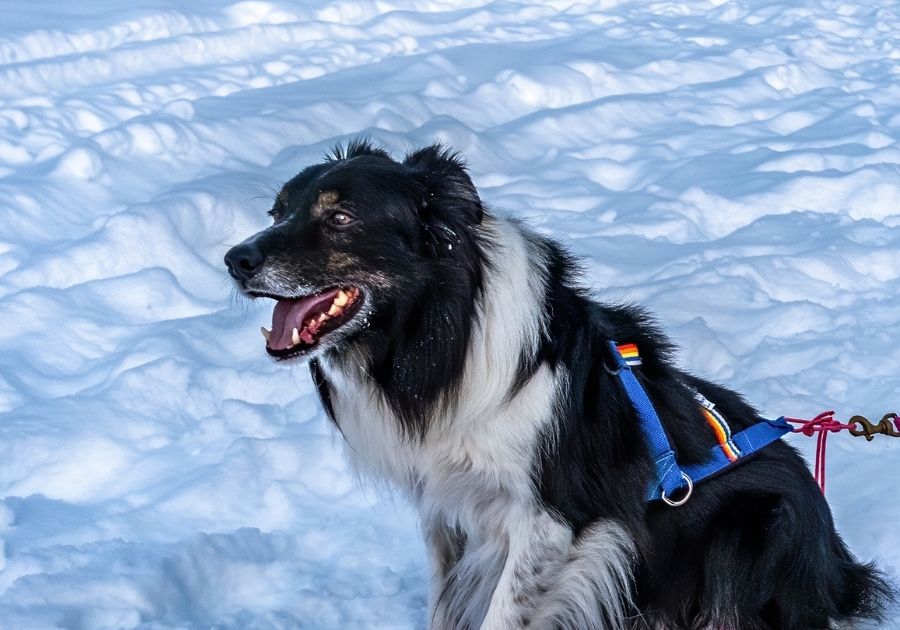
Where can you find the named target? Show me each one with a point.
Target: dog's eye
(340, 219)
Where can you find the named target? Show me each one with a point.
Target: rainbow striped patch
(720, 428)
(629, 352)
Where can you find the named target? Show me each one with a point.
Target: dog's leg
(536, 546)
(592, 589)
(445, 546)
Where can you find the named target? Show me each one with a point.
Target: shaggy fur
(472, 378)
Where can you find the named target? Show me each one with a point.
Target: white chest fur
(498, 556)
(466, 467)
(481, 454)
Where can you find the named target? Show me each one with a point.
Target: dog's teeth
(341, 299)
(324, 316)
(295, 336)
(334, 310)
(265, 333)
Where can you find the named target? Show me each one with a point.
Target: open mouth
(298, 324)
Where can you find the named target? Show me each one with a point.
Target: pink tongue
(290, 314)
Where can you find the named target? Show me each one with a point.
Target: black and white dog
(462, 362)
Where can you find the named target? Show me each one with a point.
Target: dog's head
(358, 243)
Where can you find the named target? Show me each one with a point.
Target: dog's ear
(355, 148)
(449, 205)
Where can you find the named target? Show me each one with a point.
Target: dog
(465, 364)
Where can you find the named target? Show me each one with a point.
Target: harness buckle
(687, 493)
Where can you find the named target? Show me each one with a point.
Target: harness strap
(670, 477)
(750, 440)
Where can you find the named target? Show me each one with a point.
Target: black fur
(755, 547)
(419, 357)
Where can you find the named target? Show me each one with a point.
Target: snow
(732, 165)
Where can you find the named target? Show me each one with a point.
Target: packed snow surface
(732, 164)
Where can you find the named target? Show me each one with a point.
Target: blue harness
(672, 479)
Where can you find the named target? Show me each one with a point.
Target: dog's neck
(510, 323)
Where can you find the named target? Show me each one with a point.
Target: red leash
(824, 423)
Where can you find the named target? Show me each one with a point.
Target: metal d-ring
(610, 372)
(687, 493)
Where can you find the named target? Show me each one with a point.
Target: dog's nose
(244, 260)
